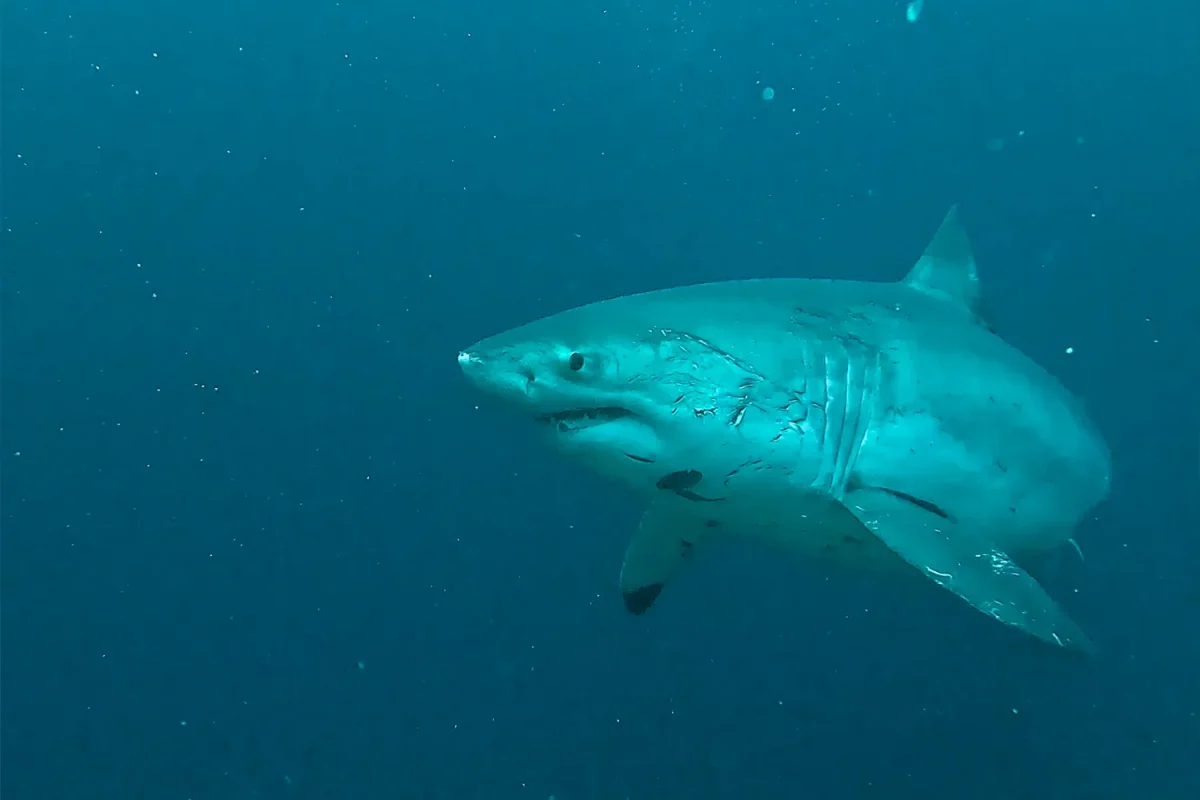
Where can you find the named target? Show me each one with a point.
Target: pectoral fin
(664, 541)
(971, 568)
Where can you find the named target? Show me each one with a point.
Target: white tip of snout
(466, 359)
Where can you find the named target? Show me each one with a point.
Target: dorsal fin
(947, 267)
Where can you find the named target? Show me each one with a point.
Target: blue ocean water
(259, 542)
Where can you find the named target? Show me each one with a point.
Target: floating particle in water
(913, 11)
(768, 93)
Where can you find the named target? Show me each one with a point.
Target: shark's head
(608, 391)
(594, 397)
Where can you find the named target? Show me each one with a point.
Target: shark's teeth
(580, 417)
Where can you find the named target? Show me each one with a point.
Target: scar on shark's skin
(681, 483)
(639, 458)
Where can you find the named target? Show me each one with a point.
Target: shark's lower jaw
(582, 418)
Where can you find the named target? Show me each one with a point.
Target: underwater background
(258, 541)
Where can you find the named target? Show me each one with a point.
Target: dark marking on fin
(681, 483)
(639, 458)
(678, 481)
(918, 502)
(638, 601)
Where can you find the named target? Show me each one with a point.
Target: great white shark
(879, 424)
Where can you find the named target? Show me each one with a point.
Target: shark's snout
(469, 362)
(472, 366)
(477, 369)
(496, 375)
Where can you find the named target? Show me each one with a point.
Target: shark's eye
(575, 362)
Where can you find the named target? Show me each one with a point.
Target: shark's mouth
(580, 418)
